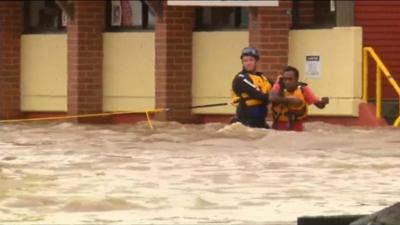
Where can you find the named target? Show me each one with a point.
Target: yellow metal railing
(380, 68)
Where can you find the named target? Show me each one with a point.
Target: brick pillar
(11, 27)
(173, 38)
(85, 57)
(269, 33)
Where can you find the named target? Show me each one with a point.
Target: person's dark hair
(293, 69)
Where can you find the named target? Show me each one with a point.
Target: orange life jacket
(286, 113)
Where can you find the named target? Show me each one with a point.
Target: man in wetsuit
(250, 90)
(290, 98)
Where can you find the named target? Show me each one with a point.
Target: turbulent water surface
(190, 174)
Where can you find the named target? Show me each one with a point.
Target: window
(44, 16)
(314, 14)
(125, 15)
(220, 18)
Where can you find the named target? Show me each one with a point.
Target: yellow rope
(149, 120)
(64, 117)
(147, 112)
(153, 111)
(86, 116)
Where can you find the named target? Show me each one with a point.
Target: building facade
(81, 57)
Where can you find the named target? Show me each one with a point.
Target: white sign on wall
(313, 66)
(243, 3)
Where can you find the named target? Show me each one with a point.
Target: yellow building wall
(340, 50)
(44, 72)
(215, 63)
(128, 71)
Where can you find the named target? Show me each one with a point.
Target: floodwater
(193, 174)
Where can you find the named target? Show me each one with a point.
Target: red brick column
(173, 38)
(269, 33)
(11, 27)
(85, 57)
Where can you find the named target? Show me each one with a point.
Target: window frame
(30, 30)
(296, 18)
(198, 27)
(145, 20)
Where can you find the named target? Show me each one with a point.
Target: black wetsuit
(252, 116)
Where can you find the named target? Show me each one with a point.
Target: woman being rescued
(290, 98)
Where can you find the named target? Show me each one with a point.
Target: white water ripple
(187, 174)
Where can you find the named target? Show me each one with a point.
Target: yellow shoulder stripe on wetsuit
(261, 83)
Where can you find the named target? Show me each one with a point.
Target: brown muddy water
(193, 174)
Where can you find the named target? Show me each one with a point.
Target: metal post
(397, 122)
(378, 92)
(365, 75)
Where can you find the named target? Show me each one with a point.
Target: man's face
(249, 63)
(290, 80)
